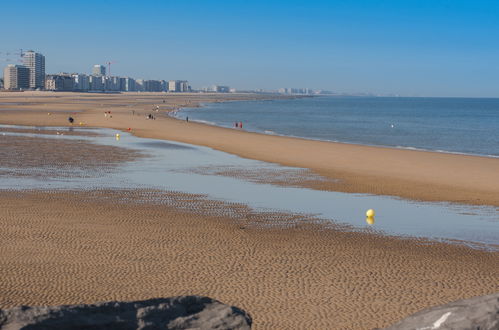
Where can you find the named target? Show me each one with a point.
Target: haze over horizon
(409, 48)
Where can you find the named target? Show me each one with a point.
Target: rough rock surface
(475, 313)
(183, 312)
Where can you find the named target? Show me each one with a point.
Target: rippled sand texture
(61, 248)
(41, 157)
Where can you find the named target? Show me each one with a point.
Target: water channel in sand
(175, 166)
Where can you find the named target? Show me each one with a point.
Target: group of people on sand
(238, 124)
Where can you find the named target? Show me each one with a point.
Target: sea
(452, 125)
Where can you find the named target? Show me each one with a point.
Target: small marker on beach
(370, 216)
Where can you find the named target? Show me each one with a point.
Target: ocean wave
(204, 122)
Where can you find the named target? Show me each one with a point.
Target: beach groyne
(474, 313)
(183, 312)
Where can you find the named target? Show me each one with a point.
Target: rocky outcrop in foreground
(184, 312)
(475, 313)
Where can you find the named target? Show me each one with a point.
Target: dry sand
(62, 248)
(354, 168)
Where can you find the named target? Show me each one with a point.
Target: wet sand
(74, 247)
(409, 174)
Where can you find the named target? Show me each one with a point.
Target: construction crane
(9, 56)
(109, 67)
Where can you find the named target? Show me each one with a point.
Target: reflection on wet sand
(151, 164)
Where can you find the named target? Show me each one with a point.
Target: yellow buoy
(81, 123)
(370, 213)
(117, 136)
(370, 221)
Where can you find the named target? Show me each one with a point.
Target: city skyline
(419, 48)
(32, 76)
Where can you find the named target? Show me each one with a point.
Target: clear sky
(406, 47)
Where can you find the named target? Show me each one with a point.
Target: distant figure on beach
(187, 119)
(240, 124)
(236, 124)
(71, 120)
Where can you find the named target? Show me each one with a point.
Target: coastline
(410, 174)
(219, 122)
(326, 140)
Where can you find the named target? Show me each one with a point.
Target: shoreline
(410, 174)
(203, 122)
(273, 133)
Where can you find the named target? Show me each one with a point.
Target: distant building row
(82, 82)
(31, 75)
(305, 91)
(219, 89)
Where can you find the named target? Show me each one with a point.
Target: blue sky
(412, 48)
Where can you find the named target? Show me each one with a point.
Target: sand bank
(74, 247)
(410, 174)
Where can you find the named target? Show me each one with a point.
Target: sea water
(457, 125)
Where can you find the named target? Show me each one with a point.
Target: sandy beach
(65, 247)
(73, 247)
(419, 175)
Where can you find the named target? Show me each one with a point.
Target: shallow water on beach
(170, 166)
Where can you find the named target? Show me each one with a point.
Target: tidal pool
(171, 166)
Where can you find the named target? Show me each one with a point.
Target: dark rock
(481, 313)
(183, 312)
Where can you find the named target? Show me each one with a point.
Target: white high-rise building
(81, 82)
(99, 70)
(59, 82)
(129, 85)
(16, 77)
(112, 83)
(178, 86)
(172, 86)
(139, 85)
(96, 83)
(35, 62)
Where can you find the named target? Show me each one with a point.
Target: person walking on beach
(240, 124)
(187, 119)
(236, 124)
